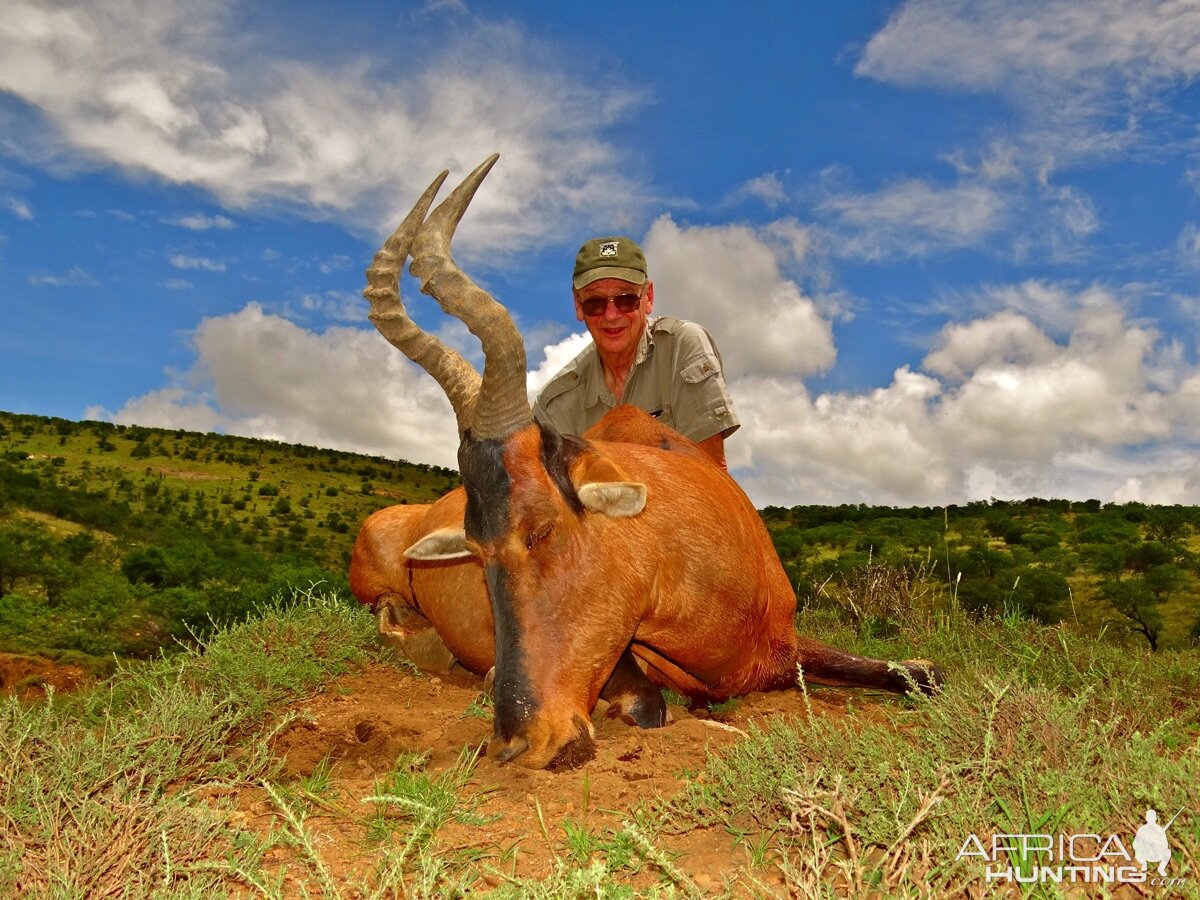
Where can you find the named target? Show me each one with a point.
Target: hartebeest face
(532, 495)
(534, 503)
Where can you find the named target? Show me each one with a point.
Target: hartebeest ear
(616, 499)
(604, 488)
(445, 543)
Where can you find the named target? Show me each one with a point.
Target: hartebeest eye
(538, 534)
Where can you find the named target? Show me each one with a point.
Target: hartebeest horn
(457, 377)
(502, 406)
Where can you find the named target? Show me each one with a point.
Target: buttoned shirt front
(677, 376)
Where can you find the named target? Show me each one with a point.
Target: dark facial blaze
(496, 505)
(489, 493)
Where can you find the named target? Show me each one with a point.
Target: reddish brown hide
(411, 596)
(594, 553)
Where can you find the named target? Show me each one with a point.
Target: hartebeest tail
(610, 567)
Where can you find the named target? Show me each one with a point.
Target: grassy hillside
(124, 540)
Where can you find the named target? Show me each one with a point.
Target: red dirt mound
(364, 721)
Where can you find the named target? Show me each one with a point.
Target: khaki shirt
(677, 377)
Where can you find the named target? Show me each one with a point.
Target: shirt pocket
(699, 370)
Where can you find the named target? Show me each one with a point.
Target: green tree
(23, 549)
(145, 565)
(1041, 594)
(1133, 599)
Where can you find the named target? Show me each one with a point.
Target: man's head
(613, 293)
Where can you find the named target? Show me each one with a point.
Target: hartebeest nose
(511, 750)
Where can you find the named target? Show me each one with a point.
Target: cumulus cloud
(1002, 408)
(554, 357)
(177, 91)
(263, 376)
(729, 279)
(999, 407)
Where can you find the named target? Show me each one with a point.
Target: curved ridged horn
(502, 406)
(457, 377)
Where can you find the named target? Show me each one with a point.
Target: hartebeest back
(605, 562)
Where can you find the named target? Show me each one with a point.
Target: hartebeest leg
(409, 633)
(822, 664)
(632, 696)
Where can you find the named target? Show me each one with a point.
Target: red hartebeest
(608, 566)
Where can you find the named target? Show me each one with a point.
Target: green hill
(125, 540)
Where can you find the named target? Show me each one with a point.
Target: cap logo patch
(609, 248)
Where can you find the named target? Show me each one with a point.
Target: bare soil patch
(28, 677)
(364, 721)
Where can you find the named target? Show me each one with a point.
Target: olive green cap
(609, 257)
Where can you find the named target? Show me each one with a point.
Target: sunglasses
(596, 306)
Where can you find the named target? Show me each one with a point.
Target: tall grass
(119, 791)
(1038, 731)
(126, 790)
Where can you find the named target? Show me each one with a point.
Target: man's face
(616, 333)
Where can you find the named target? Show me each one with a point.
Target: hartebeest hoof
(424, 649)
(410, 635)
(924, 675)
(632, 696)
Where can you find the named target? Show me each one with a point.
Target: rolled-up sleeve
(701, 405)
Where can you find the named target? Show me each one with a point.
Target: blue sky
(949, 249)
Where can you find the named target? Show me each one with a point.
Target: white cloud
(1188, 245)
(1002, 408)
(1086, 76)
(768, 188)
(912, 217)
(984, 45)
(201, 222)
(1004, 340)
(177, 284)
(263, 376)
(17, 207)
(73, 277)
(554, 357)
(181, 261)
(342, 306)
(175, 90)
(728, 278)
